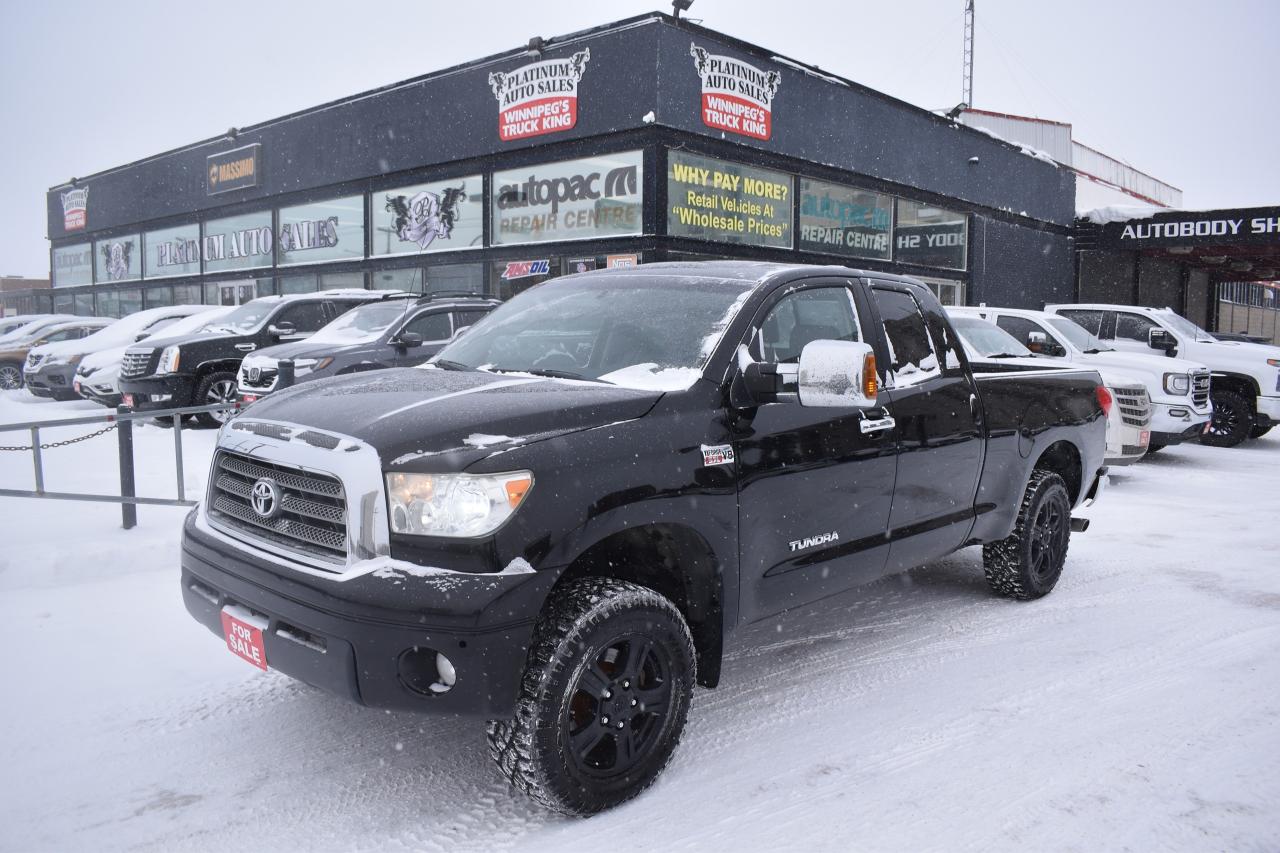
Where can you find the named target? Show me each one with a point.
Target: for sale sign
(538, 98)
(736, 96)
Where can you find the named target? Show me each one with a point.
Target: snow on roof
(1122, 213)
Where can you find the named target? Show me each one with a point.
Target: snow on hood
(649, 377)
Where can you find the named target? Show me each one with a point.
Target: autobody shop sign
(736, 96)
(538, 98)
(570, 200)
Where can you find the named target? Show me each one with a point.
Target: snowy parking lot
(1137, 707)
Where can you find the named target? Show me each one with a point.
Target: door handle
(880, 424)
(246, 347)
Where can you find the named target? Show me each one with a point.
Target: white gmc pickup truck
(1246, 377)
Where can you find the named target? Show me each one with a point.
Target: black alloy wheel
(1232, 420)
(213, 389)
(1028, 563)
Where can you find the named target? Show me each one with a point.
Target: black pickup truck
(556, 523)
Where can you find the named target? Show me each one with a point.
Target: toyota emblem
(265, 498)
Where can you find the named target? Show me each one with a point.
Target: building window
(159, 297)
(130, 301)
(81, 305)
(118, 259)
(839, 220)
(434, 217)
(298, 284)
(930, 236)
(408, 279)
(948, 290)
(73, 265)
(570, 200)
(238, 242)
(172, 251)
(323, 231)
(342, 281)
(186, 294)
(468, 278)
(108, 303)
(727, 202)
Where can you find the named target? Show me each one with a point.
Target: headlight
(1274, 362)
(1177, 383)
(169, 360)
(303, 366)
(455, 505)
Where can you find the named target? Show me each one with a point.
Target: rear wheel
(217, 387)
(1029, 562)
(1232, 419)
(10, 376)
(603, 700)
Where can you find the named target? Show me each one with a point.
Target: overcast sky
(1181, 89)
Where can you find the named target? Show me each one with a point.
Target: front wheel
(1232, 420)
(10, 376)
(1029, 562)
(215, 388)
(603, 700)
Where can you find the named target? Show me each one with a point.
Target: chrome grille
(136, 363)
(265, 377)
(313, 510)
(1134, 404)
(1200, 389)
(33, 359)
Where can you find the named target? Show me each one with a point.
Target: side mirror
(408, 340)
(458, 331)
(1160, 339)
(140, 337)
(281, 330)
(1036, 341)
(837, 373)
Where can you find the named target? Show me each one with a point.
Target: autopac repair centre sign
(233, 170)
(569, 200)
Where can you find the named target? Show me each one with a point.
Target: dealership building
(645, 140)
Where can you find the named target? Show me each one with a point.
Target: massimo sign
(233, 170)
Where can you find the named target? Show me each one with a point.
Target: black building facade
(644, 140)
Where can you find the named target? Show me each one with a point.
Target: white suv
(1246, 377)
(1179, 389)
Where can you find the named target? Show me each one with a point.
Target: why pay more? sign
(728, 202)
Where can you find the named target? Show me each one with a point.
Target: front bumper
(1176, 423)
(51, 381)
(159, 392)
(1268, 408)
(348, 637)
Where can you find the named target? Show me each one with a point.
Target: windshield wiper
(1095, 351)
(1003, 355)
(549, 372)
(446, 364)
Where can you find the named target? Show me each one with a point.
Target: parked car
(50, 369)
(98, 375)
(15, 350)
(1245, 389)
(9, 325)
(200, 369)
(1128, 419)
(1178, 388)
(556, 522)
(1242, 337)
(399, 330)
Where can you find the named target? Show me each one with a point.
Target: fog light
(426, 671)
(161, 398)
(1179, 413)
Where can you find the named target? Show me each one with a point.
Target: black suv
(399, 330)
(200, 369)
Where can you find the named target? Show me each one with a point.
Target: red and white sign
(244, 636)
(615, 262)
(525, 269)
(75, 209)
(538, 98)
(736, 96)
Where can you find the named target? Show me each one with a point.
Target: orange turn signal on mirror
(869, 376)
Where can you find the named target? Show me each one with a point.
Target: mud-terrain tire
(1029, 562)
(10, 375)
(603, 699)
(1232, 420)
(215, 388)
(1260, 431)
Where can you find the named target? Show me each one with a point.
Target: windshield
(1186, 328)
(1080, 337)
(247, 317)
(364, 324)
(201, 322)
(653, 332)
(988, 339)
(32, 331)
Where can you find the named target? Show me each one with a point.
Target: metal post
(35, 455)
(284, 374)
(177, 455)
(124, 428)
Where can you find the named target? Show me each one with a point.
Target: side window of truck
(304, 316)
(815, 314)
(432, 327)
(1020, 327)
(1090, 320)
(912, 358)
(1133, 327)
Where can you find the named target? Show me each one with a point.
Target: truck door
(814, 488)
(938, 433)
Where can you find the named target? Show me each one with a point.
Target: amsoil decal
(75, 209)
(736, 96)
(538, 98)
(526, 269)
(233, 170)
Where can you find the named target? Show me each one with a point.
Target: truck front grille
(312, 512)
(34, 360)
(135, 363)
(258, 377)
(1135, 405)
(1200, 389)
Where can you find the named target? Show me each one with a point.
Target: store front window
(323, 231)
(172, 251)
(931, 236)
(118, 259)
(434, 217)
(108, 303)
(298, 284)
(130, 301)
(81, 305)
(186, 294)
(465, 278)
(511, 277)
(570, 200)
(408, 279)
(727, 202)
(159, 297)
(238, 242)
(342, 281)
(840, 220)
(73, 265)
(948, 290)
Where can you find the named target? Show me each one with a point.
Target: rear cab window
(913, 358)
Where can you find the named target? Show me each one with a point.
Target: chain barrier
(52, 444)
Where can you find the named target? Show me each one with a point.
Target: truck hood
(407, 414)
(296, 350)
(1237, 356)
(1152, 367)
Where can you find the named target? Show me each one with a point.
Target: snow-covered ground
(1138, 707)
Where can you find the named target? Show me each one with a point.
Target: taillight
(1104, 400)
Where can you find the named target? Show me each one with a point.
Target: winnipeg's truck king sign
(539, 98)
(736, 96)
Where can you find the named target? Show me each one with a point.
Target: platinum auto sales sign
(538, 98)
(75, 209)
(736, 96)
